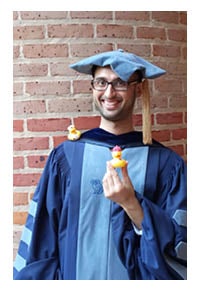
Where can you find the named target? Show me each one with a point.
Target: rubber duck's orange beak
(73, 130)
(117, 154)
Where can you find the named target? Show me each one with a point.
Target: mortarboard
(124, 64)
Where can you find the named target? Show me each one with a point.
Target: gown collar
(101, 136)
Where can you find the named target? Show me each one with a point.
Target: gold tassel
(146, 113)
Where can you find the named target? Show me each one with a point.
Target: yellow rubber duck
(117, 161)
(73, 134)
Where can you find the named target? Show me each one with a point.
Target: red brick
(168, 86)
(151, 33)
(159, 102)
(178, 101)
(28, 32)
(183, 18)
(178, 134)
(166, 16)
(20, 198)
(86, 122)
(184, 53)
(59, 139)
(16, 52)
(133, 15)
(30, 70)
(31, 143)
(18, 125)
(185, 117)
(166, 51)
(70, 31)
(82, 86)
(48, 88)
(61, 68)
(26, 179)
(19, 217)
(143, 50)
(179, 35)
(169, 118)
(45, 50)
(137, 119)
(37, 161)
(18, 162)
(161, 135)
(114, 31)
(43, 15)
(17, 88)
(70, 105)
(85, 50)
(54, 124)
(29, 107)
(177, 69)
(104, 15)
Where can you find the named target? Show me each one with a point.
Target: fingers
(111, 177)
(111, 170)
(113, 185)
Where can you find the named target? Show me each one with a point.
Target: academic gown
(73, 232)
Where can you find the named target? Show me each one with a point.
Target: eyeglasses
(100, 84)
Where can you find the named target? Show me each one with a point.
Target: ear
(138, 89)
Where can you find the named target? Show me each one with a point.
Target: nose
(110, 91)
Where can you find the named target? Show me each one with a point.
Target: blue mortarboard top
(124, 64)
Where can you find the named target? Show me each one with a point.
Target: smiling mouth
(110, 104)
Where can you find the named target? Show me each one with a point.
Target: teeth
(111, 104)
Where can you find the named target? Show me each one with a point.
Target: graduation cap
(124, 64)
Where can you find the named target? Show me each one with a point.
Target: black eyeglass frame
(112, 82)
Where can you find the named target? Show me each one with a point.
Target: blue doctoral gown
(73, 232)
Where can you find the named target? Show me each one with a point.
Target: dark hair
(140, 75)
(138, 72)
(93, 70)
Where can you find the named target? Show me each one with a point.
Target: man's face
(114, 105)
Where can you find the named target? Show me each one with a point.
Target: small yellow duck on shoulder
(117, 161)
(73, 134)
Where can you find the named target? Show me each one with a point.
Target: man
(89, 220)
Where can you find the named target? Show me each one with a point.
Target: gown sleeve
(37, 256)
(160, 252)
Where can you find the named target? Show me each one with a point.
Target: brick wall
(48, 95)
